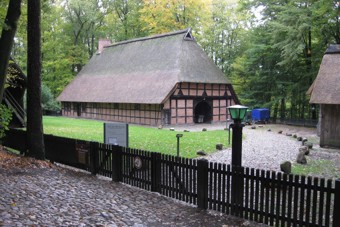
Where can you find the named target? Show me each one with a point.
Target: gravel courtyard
(262, 149)
(265, 148)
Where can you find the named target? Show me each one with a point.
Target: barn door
(78, 109)
(203, 111)
(166, 117)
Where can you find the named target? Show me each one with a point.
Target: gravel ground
(264, 149)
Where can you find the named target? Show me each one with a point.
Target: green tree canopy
(270, 49)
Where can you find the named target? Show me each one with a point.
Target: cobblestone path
(63, 197)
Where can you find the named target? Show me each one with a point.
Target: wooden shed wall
(330, 126)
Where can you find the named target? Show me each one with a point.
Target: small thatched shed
(325, 91)
(163, 79)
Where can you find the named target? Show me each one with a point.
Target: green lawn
(319, 168)
(145, 138)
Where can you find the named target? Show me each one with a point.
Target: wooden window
(67, 106)
(83, 107)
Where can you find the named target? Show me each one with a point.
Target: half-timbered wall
(190, 103)
(144, 114)
(188, 97)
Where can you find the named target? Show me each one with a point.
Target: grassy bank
(145, 138)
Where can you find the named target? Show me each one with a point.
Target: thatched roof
(144, 70)
(18, 77)
(326, 87)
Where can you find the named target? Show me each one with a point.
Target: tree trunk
(35, 136)
(276, 110)
(7, 39)
(283, 109)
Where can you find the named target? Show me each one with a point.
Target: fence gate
(178, 178)
(102, 159)
(136, 168)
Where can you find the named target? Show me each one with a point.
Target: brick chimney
(102, 43)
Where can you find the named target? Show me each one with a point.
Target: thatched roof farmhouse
(162, 79)
(325, 91)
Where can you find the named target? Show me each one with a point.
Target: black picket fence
(262, 196)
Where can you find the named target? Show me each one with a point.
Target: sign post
(178, 136)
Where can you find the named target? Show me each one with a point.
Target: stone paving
(63, 197)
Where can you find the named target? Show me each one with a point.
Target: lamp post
(237, 113)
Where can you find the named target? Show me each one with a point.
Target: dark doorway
(203, 112)
(78, 109)
(166, 117)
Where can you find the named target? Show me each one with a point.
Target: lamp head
(237, 112)
(179, 135)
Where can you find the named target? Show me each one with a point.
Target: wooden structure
(14, 94)
(158, 80)
(325, 91)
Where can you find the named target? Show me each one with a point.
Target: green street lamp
(237, 113)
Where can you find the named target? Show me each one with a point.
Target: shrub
(5, 119)
(47, 99)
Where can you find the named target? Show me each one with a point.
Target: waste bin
(260, 115)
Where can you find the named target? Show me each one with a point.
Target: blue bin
(261, 114)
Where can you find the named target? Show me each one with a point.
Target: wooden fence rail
(262, 196)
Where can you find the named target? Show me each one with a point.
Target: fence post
(202, 183)
(336, 211)
(156, 172)
(117, 163)
(94, 157)
(237, 187)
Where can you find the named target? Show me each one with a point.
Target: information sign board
(83, 150)
(116, 133)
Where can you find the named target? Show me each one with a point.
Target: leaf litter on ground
(10, 160)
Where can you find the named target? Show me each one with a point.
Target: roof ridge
(187, 30)
(333, 49)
